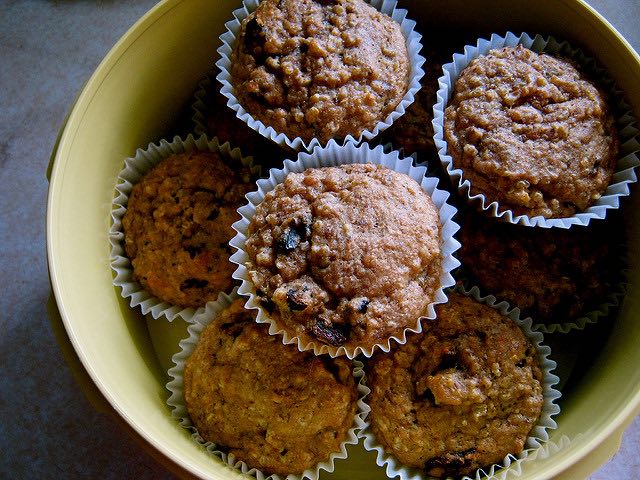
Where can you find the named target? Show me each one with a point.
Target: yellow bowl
(136, 96)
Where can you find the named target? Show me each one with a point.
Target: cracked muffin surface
(345, 256)
(531, 132)
(459, 396)
(319, 69)
(276, 408)
(178, 224)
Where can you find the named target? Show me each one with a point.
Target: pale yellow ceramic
(135, 97)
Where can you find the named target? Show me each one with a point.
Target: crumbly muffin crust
(529, 131)
(552, 274)
(275, 408)
(345, 256)
(319, 69)
(178, 225)
(459, 396)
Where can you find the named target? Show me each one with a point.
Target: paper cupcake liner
(335, 155)
(629, 145)
(387, 7)
(538, 436)
(200, 106)
(179, 410)
(134, 169)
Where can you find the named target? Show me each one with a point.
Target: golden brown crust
(178, 225)
(319, 69)
(347, 255)
(459, 396)
(530, 132)
(275, 408)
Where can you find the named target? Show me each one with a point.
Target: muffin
(213, 117)
(461, 395)
(346, 256)
(319, 70)
(532, 133)
(553, 275)
(413, 131)
(276, 409)
(178, 224)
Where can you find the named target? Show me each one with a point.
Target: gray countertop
(48, 429)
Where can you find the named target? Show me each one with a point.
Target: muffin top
(319, 69)
(532, 133)
(178, 224)
(459, 396)
(345, 256)
(275, 408)
(552, 274)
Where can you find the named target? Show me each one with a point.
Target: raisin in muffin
(345, 256)
(532, 133)
(178, 224)
(318, 69)
(277, 409)
(553, 275)
(461, 395)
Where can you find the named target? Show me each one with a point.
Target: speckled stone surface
(48, 429)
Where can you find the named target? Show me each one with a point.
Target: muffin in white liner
(335, 155)
(211, 117)
(627, 158)
(134, 170)
(564, 279)
(179, 411)
(388, 7)
(538, 435)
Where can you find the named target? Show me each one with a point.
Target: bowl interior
(138, 95)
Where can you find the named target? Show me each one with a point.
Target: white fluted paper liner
(388, 7)
(330, 156)
(134, 169)
(628, 158)
(539, 434)
(179, 409)
(199, 106)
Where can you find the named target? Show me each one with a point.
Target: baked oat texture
(461, 395)
(319, 68)
(553, 275)
(178, 225)
(273, 407)
(345, 256)
(532, 133)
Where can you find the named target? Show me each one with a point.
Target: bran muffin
(178, 224)
(461, 395)
(345, 256)
(319, 69)
(530, 132)
(553, 275)
(217, 120)
(275, 408)
(413, 131)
